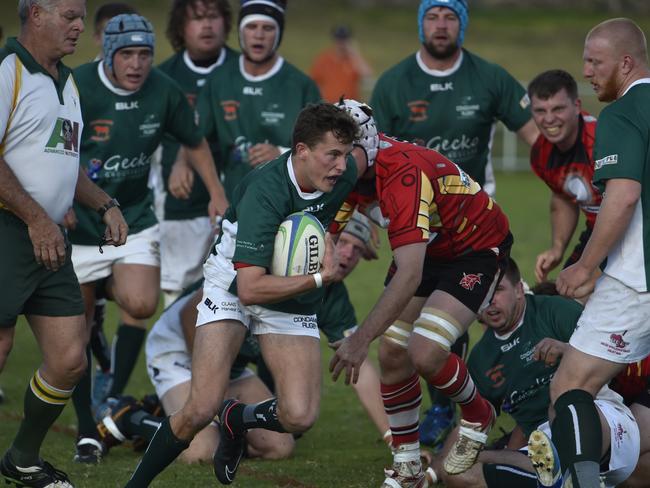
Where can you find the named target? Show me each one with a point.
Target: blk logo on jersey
(469, 281)
(229, 108)
(440, 87)
(64, 138)
(418, 109)
(126, 105)
(101, 130)
(253, 91)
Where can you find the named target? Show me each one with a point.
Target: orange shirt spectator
(340, 69)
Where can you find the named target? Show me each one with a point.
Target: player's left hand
(261, 153)
(217, 208)
(550, 351)
(576, 281)
(349, 354)
(181, 180)
(116, 227)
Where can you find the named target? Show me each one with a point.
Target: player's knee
(299, 417)
(391, 355)
(428, 358)
(140, 308)
(434, 332)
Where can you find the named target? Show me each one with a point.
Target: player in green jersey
(613, 329)
(240, 294)
(124, 99)
(249, 106)
(197, 30)
(103, 14)
(513, 364)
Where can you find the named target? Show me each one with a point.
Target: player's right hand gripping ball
(362, 115)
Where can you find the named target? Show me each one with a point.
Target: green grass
(343, 449)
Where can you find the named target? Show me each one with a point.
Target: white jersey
(40, 126)
(166, 336)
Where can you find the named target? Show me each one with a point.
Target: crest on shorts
(617, 340)
(469, 281)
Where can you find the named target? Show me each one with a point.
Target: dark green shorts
(27, 287)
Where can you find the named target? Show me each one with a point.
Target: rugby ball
(299, 246)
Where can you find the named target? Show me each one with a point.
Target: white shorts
(625, 440)
(141, 248)
(219, 304)
(615, 324)
(184, 245)
(174, 368)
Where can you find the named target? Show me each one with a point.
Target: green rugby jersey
(451, 111)
(191, 79)
(504, 370)
(622, 150)
(121, 132)
(336, 314)
(265, 197)
(238, 111)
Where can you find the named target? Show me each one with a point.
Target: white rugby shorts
(219, 304)
(141, 248)
(615, 324)
(184, 245)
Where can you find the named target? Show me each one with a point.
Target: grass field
(343, 449)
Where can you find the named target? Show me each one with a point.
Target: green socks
(43, 404)
(128, 342)
(162, 450)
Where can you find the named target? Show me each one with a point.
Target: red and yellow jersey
(427, 198)
(570, 173)
(632, 381)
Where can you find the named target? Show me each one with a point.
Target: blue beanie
(458, 6)
(126, 30)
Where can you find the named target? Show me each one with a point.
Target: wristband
(111, 203)
(318, 278)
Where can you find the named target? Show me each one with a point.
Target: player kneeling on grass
(450, 241)
(315, 176)
(169, 364)
(513, 364)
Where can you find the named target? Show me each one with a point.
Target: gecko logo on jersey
(229, 108)
(101, 130)
(464, 147)
(126, 105)
(64, 138)
(253, 91)
(121, 166)
(440, 87)
(469, 281)
(418, 110)
(611, 159)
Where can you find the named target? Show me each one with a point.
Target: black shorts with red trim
(468, 278)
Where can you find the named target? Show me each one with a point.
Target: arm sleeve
(407, 203)
(564, 314)
(512, 102)
(7, 77)
(257, 223)
(620, 150)
(181, 119)
(380, 102)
